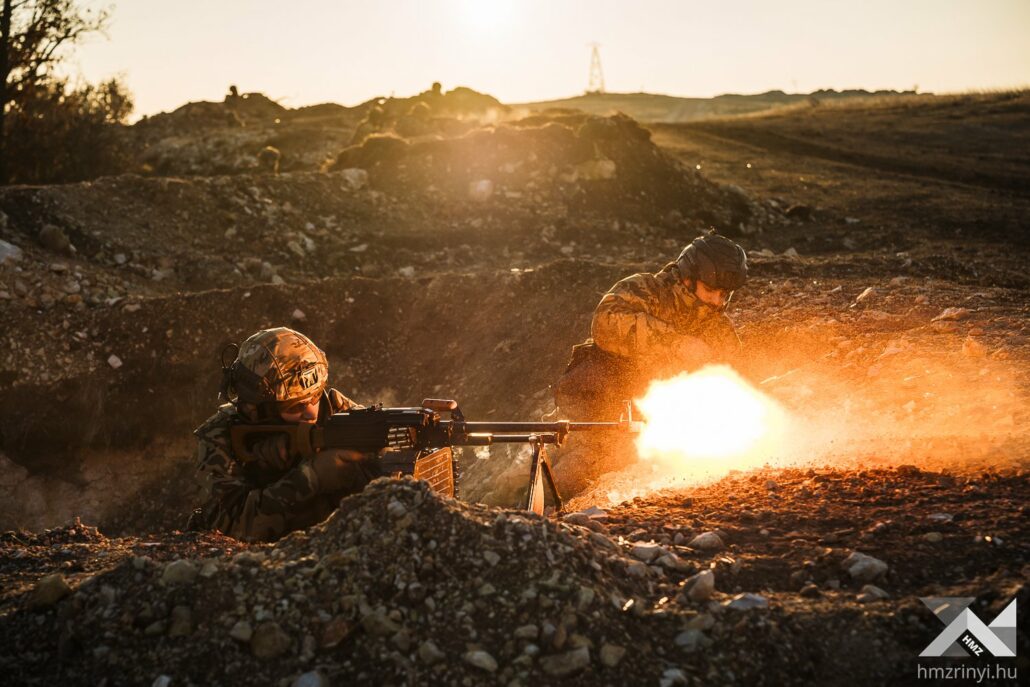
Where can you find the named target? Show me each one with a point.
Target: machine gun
(418, 441)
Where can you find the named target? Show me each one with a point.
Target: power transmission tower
(596, 84)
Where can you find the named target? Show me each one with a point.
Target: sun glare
(483, 15)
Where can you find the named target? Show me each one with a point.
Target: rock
(707, 541)
(182, 622)
(180, 571)
(336, 630)
(269, 641)
(430, 653)
(407, 272)
(311, 678)
(114, 361)
(646, 552)
(54, 238)
(241, 631)
(791, 253)
(933, 537)
(527, 632)
(637, 569)
(492, 558)
(48, 591)
(299, 316)
(672, 677)
(671, 561)
(162, 681)
(870, 593)
(973, 348)
(567, 663)
(701, 586)
(867, 294)
(950, 314)
(354, 178)
(851, 220)
(481, 659)
(9, 252)
(481, 190)
(689, 640)
(802, 213)
(396, 509)
(810, 591)
(378, 624)
(864, 568)
(611, 654)
(747, 601)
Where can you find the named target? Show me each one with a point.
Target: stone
(241, 631)
(481, 659)
(54, 238)
(689, 640)
(527, 632)
(933, 537)
(673, 677)
(48, 591)
(701, 586)
(747, 601)
(871, 592)
(637, 569)
(810, 591)
(269, 641)
(180, 571)
(492, 557)
(182, 622)
(298, 316)
(867, 294)
(430, 653)
(354, 178)
(707, 541)
(952, 314)
(611, 654)
(864, 568)
(162, 681)
(313, 678)
(646, 552)
(336, 630)
(9, 252)
(566, 663)
(378, 624)
(481, 190)
(114, 361)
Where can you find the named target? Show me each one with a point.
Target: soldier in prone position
(278, 376)
(646, 327)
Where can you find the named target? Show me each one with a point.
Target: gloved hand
(339, 469)
(272, 453)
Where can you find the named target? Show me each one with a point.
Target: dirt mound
(601, 163)
(401, 587)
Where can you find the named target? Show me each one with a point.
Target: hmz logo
(308, 378)
(965, 635)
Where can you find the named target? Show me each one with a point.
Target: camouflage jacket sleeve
(650, 315)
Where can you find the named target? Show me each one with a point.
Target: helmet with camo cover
(278, 365)
(715, 260)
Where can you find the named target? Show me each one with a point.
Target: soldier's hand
(272, 452)
(335, 468)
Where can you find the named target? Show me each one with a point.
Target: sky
(310, 51)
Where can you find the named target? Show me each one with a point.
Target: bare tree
(33, 36)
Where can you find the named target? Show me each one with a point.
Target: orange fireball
(706, 423)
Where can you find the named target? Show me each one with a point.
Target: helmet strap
(226, 393)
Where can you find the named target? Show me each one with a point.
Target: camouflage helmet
(278, 365)
(715, 260)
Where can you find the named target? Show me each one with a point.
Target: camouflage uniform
(647, 326)
(263, 500)
(255, 504)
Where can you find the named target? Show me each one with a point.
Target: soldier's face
(302, 412)
(716, 298)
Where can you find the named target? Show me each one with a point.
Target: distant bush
(60, 134)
